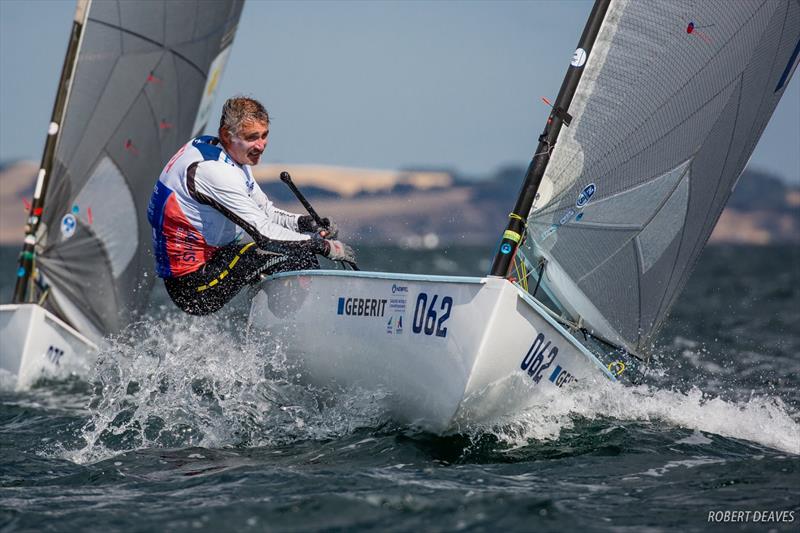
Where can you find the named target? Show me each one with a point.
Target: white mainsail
(673, 99)
(140, 75)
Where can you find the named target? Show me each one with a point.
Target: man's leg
(232, 267)
(268, 263)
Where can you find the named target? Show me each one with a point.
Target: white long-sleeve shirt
(203, 201)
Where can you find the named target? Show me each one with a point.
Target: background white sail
(672, 102)
(141, 72)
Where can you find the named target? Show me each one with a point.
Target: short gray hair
(241, 109)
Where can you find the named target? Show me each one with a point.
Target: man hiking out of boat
(204, 203)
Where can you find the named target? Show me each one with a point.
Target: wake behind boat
(653, 125)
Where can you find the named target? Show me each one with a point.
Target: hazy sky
(369, 84)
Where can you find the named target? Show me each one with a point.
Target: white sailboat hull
(36, 343)
(446, 351)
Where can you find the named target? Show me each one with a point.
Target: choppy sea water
(185, 425)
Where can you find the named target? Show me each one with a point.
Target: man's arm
(293, 221)
(221, 186)
(278, 216)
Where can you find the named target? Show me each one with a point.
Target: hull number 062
(538, 358)
(430, 314)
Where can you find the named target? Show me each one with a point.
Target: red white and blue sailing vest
(203, 201)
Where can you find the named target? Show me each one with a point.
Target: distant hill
(432, 206)
(16, 186)
(761, 210)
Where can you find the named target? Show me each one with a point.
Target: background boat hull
(37, 344)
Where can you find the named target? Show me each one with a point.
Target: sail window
(107, 199)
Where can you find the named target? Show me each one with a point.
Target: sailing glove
(338, 251)
(308, 224)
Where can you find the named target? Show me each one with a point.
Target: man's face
(247, 146)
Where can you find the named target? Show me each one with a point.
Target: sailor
(206, 204)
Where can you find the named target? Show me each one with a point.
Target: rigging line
(521, 272)
(539, 279)
(44, 296)
(560, 319)
(675, 93)
(524, 222)
(518, 217)
(576, 327)
(610, 344)
(160, 45)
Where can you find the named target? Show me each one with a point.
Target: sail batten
(667, 114)
(132, 98)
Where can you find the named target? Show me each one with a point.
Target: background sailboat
(138, 79)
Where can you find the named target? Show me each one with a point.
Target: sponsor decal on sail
(68, 226)
(586, 195)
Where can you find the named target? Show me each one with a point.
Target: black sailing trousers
(232, 267)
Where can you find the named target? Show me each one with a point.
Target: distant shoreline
(414, 208)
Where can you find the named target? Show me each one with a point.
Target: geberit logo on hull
(361, 307)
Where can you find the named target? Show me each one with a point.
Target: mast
(512, 237)
(26, 258)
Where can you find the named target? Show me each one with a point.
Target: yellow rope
(524, 221)
(524, 275)
(618, 365)
(519, 268)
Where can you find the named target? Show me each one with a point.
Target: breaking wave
(764, 420)
(184, 381)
